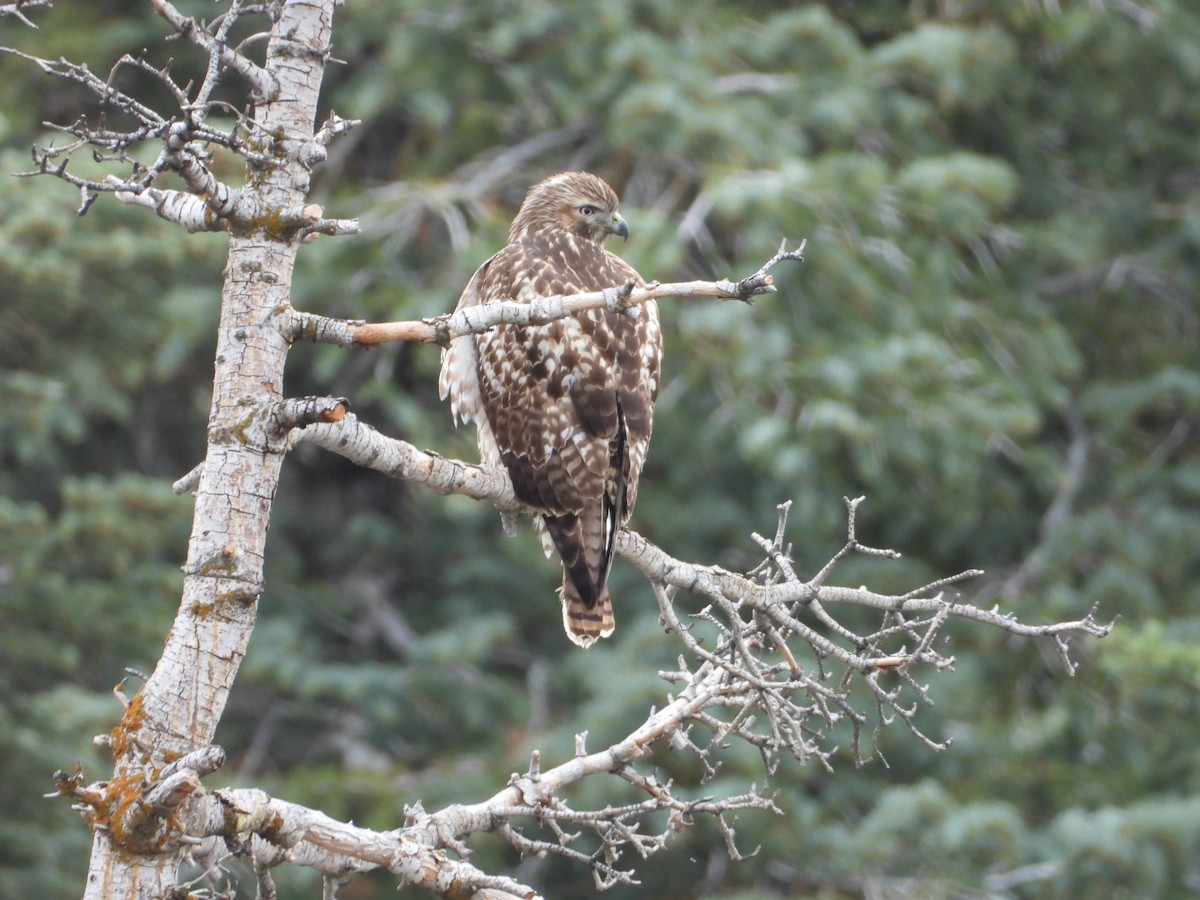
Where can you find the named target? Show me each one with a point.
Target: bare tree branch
(188, 139)
(212, 40)
(782, 598)
(18, 8)
(334, 126)
(736, 687)
(477, 319)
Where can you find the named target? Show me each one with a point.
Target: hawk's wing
(458, 378)
(554, 395)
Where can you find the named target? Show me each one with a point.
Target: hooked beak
(618, 226)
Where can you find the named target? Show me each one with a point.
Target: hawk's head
(576, 202)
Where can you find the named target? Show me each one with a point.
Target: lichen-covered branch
(157, 746)
(417, 852)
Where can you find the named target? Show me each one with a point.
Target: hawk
(565, 407)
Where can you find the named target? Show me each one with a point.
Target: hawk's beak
(618, 226)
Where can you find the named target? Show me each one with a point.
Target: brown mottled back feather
(566, 407)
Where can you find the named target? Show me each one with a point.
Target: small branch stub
(299, 412)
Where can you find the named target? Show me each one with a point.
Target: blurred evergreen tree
(995, 338)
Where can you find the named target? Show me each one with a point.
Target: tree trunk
(178, 708)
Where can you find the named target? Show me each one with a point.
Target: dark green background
(994, 337)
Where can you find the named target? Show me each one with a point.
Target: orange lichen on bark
(336, 414)
(124, 734)
(132, 826)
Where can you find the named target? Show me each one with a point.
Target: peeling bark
(178, 708)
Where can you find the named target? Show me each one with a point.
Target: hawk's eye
(588, 211)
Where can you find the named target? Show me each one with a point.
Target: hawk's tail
(584, 543)
(586, 624)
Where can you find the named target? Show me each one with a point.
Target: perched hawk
(566, 407)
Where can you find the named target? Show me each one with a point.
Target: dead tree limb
(477, 319)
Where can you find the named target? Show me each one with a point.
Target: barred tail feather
(583, 543)
(585, 624)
